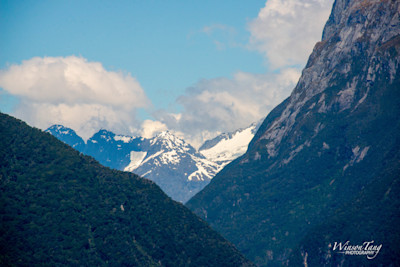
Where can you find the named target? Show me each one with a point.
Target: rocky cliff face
(322, 149)
(358, 43)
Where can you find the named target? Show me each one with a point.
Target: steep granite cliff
(322, 151)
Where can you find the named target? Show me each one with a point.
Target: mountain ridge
(320, 148)
(173, 164)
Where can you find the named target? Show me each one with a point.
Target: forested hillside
(58, 207)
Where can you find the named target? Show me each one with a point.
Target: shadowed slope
(58, 207)
(322, 149)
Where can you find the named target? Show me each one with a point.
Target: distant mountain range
(324, 167)
(59, 207)
(173, 164)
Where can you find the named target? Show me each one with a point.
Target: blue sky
(161, 43)
(179, 52)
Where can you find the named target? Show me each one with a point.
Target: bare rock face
(322, 149)
(350, 56)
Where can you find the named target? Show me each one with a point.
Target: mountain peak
(165, 134)
(67, 135)
(57, 126)
(60, 129)
(104, 134)
(167, 140)
(168, 135)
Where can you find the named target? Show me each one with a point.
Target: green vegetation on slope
(321, 152)
(58, 207)
(373, 215)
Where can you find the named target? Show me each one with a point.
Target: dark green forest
(59, 207)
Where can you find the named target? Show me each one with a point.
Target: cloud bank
(150, 128)
(285, 31)
(74, 92)
(220, 105)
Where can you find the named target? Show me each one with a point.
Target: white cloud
(84, 96)
(150, 128)
(285, 31)
(74, 92)
(220, 105)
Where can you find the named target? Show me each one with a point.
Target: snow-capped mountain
(228, 146)
(173, 164)
(169, 150)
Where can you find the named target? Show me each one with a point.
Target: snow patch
(146, 173)
(136, 158)
(105, 137)
(230, 149)
(205, 169)
(170, 157)
(152, 157)
(123, 138)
